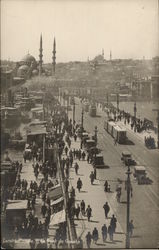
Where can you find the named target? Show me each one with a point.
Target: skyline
(81, 28)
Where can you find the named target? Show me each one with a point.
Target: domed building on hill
(27, 67)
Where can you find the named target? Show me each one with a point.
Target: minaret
(54, 57)
(110, 55)
(103, 53)
(40, 55)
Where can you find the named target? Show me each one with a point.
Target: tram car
(86, 106)
(92, 111)
(116, 131)
(119, 134)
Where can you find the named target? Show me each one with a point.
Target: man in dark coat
(104, 232)
(106, 209)
(79, 184)
(88, 239)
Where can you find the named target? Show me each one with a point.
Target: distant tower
(40, 55)
(103, 53)
(54, 57)
(110, 55)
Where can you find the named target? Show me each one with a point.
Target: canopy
(17, 204)
(140, 168)
(37, 130)
(54, 202)
(55, 192)
(126, 153)
(58, 218)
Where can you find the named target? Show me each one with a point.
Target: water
(144, 109)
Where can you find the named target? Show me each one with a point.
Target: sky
(82, 28)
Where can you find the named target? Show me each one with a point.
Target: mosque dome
(22, 70)
(35, 72)
(28, 59)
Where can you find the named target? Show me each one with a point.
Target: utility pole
(67, 104)
(128, 208)
(135, 110)
(95, 134)
(107, 99)
(82, 128)
(157, 125)
(117, 101)
(73, 110)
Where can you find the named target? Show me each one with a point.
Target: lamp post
(95, 134)
(135, 110)
(107, 99)
(82, 128)
(67, 103)
(157, 125)
(128, 208)
(117, 101)
(73, 111)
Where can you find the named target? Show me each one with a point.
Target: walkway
(94, 196)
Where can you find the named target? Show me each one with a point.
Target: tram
(92, 111)
(116, 131)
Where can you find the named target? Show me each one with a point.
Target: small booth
(57, 205)
(16, 212)
(55, 192)
(37, 113)
(8, 173)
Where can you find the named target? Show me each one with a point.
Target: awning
(58, 218)
(55, 192)
(57, 201)
(17, 204)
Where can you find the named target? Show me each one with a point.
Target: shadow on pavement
(83, 191)
(80, 219)
(94, 221)
(110, 242)
(123, 202)
(129, 142)
(118, 241)
(119, 233)
(136, 236)
(100, 244)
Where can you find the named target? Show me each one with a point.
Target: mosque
(28, 66)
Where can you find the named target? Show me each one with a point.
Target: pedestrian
(104, 232)
(80, 243)
(83, 205)
(77, 211)
(113, 223)
(32, 244)
(95, 173)
(66, 150)
(66, 185)
(76, 168)
(131, 228)
(89, 212)
(88, 239)
(79, 154)
(110, 232)
(83, 155)
(106, 186)
(43, 209)
(75, 137)
(106, 209)
(92, 177)
(95, 235)
(115, 141)
(79, 184)
(88, 158)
